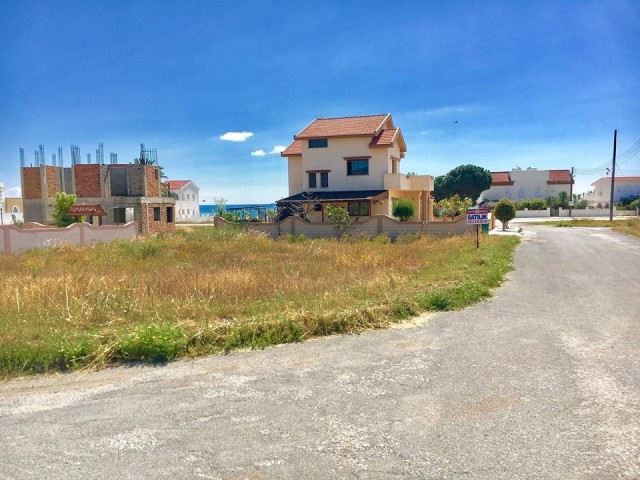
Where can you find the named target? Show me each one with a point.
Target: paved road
(543, 381)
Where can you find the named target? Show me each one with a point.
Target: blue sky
(540, 84)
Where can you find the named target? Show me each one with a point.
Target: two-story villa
(352, 162)
(187, 195)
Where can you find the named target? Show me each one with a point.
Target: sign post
(477, 217)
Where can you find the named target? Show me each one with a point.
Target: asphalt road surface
(542, 381)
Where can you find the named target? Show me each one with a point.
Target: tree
(452, 206)
(221, 205)
(563, 199)
(403, 209)
(468, 181)
(61, 206)
(339, 219)
(505, 211)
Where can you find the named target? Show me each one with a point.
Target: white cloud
(236, 136)
(275, 150)
(13, 192)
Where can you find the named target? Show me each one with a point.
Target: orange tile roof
(384, 138)
(294, 149)
(343, 126)
(176, 184)
(500, 179)
(559, 177)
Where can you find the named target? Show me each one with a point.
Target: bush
(403, 209)
(535, 204)
(339, 219)
(505, 211)
(152, 343)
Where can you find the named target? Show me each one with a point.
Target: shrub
(152, 343)
(339, 219)
(403, 209)
(534, 204)
(61, 206)
(505, 211)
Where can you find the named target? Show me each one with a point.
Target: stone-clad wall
(136, 180)
(52, 180)
(152, 181)
(147, 223)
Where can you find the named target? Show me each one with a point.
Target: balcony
(399, 181)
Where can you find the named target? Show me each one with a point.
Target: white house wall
(295, 175)
(188, 203)
(622, 189)
(527, 185)
(333, 158)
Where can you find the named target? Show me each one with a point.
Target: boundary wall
(14, 240)
(377, 224)
(575, 212)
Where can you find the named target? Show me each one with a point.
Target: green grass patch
(210, 291)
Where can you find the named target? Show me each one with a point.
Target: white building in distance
(188, 199)
(529, 184)
(625, 187)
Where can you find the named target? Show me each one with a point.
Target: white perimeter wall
(14, 240)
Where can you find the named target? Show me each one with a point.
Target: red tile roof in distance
(176, 184)
(559, 177)
(343, 127)
(384, 138)
(500, 179)
(294, 149)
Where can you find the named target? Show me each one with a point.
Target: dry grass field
(206, 291)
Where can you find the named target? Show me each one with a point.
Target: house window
(359, 166)
(312, 180)
(538, 192)
(156, 214)
(324, 179)
(358, 209)
(521, 192)
(15, 209)
(169, 214)
(507, 192)
(318, 143)
(317, 207)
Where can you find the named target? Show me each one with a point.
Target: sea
(252, 209)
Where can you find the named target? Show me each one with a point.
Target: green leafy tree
(403, 209)
(61, 206)
(453, 206)
(339, 219)
(505, 211)
(468, 181)
(563, 199)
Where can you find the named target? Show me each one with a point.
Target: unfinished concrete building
(126, 192)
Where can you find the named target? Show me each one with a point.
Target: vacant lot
(207, 291)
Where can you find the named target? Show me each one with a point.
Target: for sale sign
(477, 217)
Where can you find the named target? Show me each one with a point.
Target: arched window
(15, 209)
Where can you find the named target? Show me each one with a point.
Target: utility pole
(571, 193)
(613, 175)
